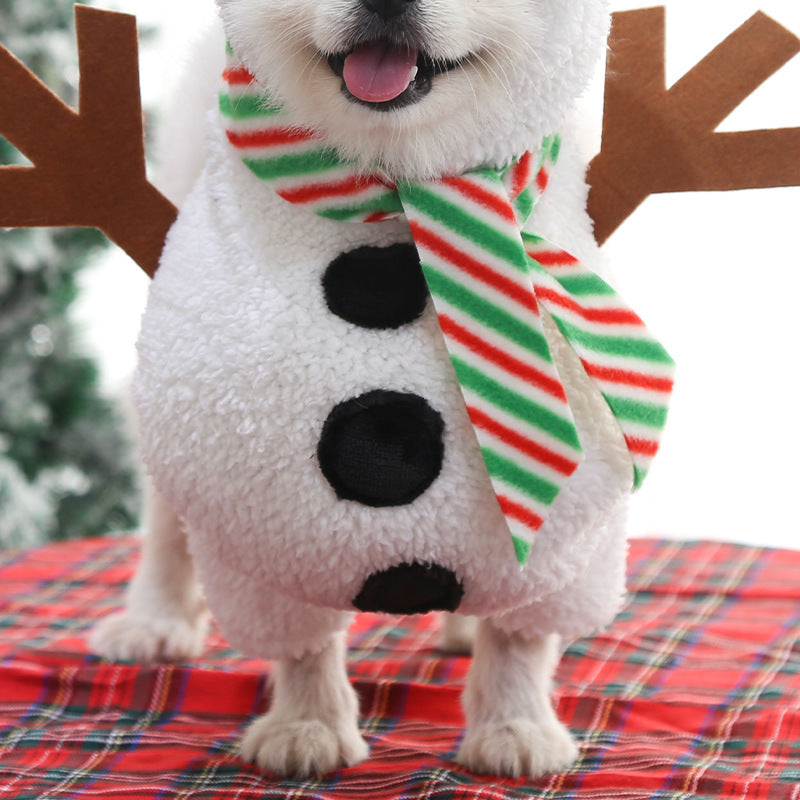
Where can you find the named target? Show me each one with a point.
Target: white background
(716, 276)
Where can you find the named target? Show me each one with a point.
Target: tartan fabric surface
(693, 693)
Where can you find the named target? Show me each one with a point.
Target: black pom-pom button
(376, 287)
(411, 589)
(382, 448)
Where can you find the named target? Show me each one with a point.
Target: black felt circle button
(376, 287)
(382, 448)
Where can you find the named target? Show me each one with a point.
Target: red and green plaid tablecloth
(693, 693)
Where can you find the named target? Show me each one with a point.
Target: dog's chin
(452, 116)
(414, 133)
(426, 131)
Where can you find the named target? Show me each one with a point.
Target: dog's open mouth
(386, 76)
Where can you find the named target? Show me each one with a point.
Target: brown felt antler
(662, 140)
(89, 165)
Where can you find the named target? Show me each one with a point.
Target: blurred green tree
(67, 468)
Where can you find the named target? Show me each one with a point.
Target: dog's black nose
(410, 589)
(386, 9)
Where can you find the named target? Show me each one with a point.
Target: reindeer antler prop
(662, 140)
(89, 164)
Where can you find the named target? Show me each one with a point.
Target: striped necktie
(489, 281)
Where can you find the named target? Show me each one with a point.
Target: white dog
(243, 358)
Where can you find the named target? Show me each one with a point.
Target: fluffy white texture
(240, 362)
(526, 62)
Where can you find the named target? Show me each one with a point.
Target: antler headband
(89, 165)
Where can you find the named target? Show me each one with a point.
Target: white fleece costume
(246, 365)
(241, 362)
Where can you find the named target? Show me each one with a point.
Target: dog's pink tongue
(378, 72)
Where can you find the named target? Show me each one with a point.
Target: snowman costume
(242, 361)
(270, 353)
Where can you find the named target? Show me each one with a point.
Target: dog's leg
(165, 616)
(312, 726)
(512, 728)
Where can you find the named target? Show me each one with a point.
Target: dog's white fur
(279, 556)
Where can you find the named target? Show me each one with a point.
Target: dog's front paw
(517, 747)
(125, 637)
(301, 748)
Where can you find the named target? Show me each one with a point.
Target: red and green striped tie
(489, 281)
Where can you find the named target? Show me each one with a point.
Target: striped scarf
(488, 280)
